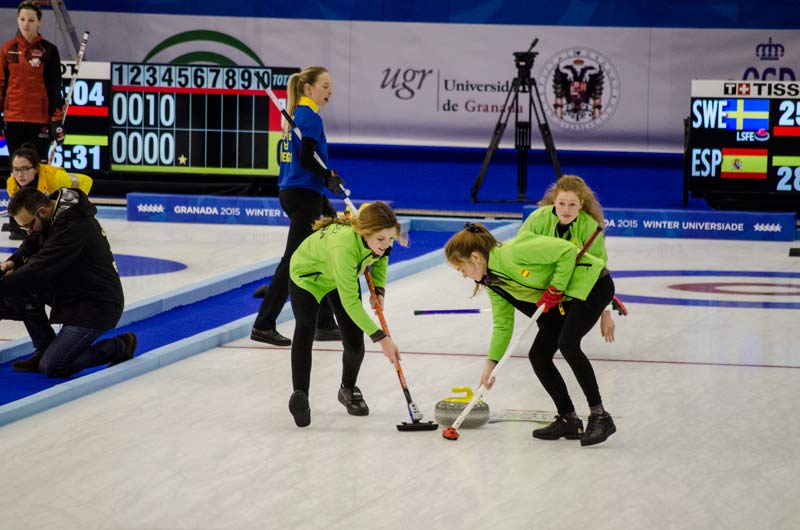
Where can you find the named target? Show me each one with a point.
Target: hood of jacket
(72, 203)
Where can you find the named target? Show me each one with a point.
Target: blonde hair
(372, 217)
(473, 238)
(295, 88)
(578, 186)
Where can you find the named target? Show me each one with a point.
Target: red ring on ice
(727, 288)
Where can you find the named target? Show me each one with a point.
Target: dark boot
(300, 409)
(598, 429)
(353, 401)
(563, 427)
(129, 341)
(269, 336)
(31, 364)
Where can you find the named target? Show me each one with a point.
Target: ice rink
(701, 380)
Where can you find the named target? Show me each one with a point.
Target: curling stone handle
(467, 390)
(468, 408)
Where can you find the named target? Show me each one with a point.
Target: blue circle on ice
(134, 265)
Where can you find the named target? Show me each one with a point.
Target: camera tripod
(522, 84)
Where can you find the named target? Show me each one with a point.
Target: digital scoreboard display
(85, 148)
(166, 118)
(744, 141)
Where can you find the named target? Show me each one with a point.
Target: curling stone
(448, 409)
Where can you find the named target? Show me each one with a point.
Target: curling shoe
(31, 364)
(129, 342)
(598, 429)
(563, 427)
(300, 409)
(353, 401)
(269, 336)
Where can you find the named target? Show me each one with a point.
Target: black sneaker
(353, 401)
(323, 334)
(300, 409)
(563, 427)
(31, 364)
(129, 341)
(598, 429)
(269, 336)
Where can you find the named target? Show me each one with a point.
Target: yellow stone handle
(461, 399)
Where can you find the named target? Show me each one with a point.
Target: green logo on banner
(201, 56)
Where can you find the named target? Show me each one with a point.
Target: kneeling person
(66, 250)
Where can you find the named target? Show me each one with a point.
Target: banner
(213, 209)
(732, 14)
(601, 88)
(696, 224)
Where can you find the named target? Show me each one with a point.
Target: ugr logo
(404, 82)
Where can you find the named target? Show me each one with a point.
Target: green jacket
(543, 221)
(333, 258)
(524, 267)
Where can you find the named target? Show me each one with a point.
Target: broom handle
(482, 388)
(413, 410)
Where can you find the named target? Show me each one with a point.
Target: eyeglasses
(28, 227)
(19, 170)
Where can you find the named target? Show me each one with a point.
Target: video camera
(524, 61)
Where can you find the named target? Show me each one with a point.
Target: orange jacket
(30, 81)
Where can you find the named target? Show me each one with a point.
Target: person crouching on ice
(533, 270)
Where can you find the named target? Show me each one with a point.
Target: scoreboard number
(790, 113)
(192, 76)
(150, 110)
(786, 182)
(88, 93)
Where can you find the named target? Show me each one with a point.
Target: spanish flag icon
(744, 164)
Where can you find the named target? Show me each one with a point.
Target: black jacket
(72, 259)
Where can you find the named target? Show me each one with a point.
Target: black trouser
(565, 332)
(305, 308)
(303, 207)
(29, 308)
(17, 133)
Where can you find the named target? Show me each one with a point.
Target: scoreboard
(743, 142)
(85, 148)
(166, 118)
